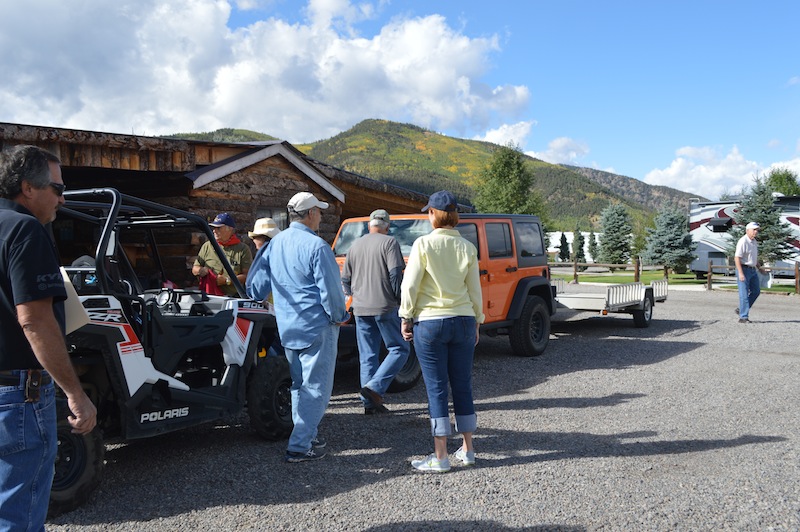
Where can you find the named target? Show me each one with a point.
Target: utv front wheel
(269, 397)
(78, 469)
(531, 331)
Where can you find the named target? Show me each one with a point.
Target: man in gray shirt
(372, 274)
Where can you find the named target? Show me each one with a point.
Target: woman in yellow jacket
(442, 309)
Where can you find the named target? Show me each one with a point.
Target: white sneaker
(433, 464)
(466, 457)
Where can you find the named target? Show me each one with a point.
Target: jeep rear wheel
(78, 469)
(531, 332)
(409, 374)
(269, 397)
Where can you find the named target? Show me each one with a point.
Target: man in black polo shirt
(32, 347)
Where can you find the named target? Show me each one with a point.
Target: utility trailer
(636, 299)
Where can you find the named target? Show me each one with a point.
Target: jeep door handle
(511, 269)
(484, 272)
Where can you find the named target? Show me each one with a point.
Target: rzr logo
(148, 417)
(109, 316)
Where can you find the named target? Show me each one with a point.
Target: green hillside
(224, 135)
(413, 157)
(416, 158)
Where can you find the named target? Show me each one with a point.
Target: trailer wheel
(642, 318)
(531, 332)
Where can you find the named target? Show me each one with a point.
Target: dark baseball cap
(444, 200)
(223, 219)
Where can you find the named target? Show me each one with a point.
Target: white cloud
(516, 134)
(563, 150)
(704, 171)
(795, 80)
(164, 66)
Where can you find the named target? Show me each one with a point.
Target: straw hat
(264, 227)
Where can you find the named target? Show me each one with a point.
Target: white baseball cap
(752, 225)
(302, 201)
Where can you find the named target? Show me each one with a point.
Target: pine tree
(593, 245)
(670, 242)
(563, 249)
(774, 236)
(615, 223)
(506, 186)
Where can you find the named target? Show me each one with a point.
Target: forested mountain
(651, 196)
(419, 159)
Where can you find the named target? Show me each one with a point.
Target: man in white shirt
(746, 259)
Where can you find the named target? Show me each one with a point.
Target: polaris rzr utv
(154, 357)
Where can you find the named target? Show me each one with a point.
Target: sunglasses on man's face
(58, 187)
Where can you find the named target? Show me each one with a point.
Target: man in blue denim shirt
(32, 348)
(299, 269)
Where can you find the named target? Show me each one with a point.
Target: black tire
(269, 398)
(531, 332)
(642, 318)
(409, 374)
(80, 461)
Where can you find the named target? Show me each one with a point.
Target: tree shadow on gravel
(517, 447)
(497, 373)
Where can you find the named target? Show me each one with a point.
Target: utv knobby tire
(531, 332)
(269, 397)
(642, 318)
(409, 374)
(80, 461)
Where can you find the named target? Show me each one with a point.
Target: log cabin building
(247, 180)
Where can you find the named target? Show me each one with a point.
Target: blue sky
(698, 95)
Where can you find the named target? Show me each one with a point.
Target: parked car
(515, 279)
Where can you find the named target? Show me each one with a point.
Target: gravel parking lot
(692, 424)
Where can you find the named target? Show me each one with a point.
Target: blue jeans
(445, 348)
(371, 331)
(312, 370)
(749, 289)
(28, 444)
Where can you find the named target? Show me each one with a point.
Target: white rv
(709, 222)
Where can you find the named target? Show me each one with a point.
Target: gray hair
(296, 216)
(380, 224)
(24, 163)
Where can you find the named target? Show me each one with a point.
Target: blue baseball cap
(223, 219)
(444, 200)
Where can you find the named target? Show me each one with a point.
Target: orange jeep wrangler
(517, 296)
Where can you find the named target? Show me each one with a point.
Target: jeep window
(529, 243)
(498, 240)
(405, 231)
(349, 233)
(470, 232)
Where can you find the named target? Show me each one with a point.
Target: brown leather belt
(34, 380)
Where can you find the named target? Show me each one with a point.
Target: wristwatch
(228, 281)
